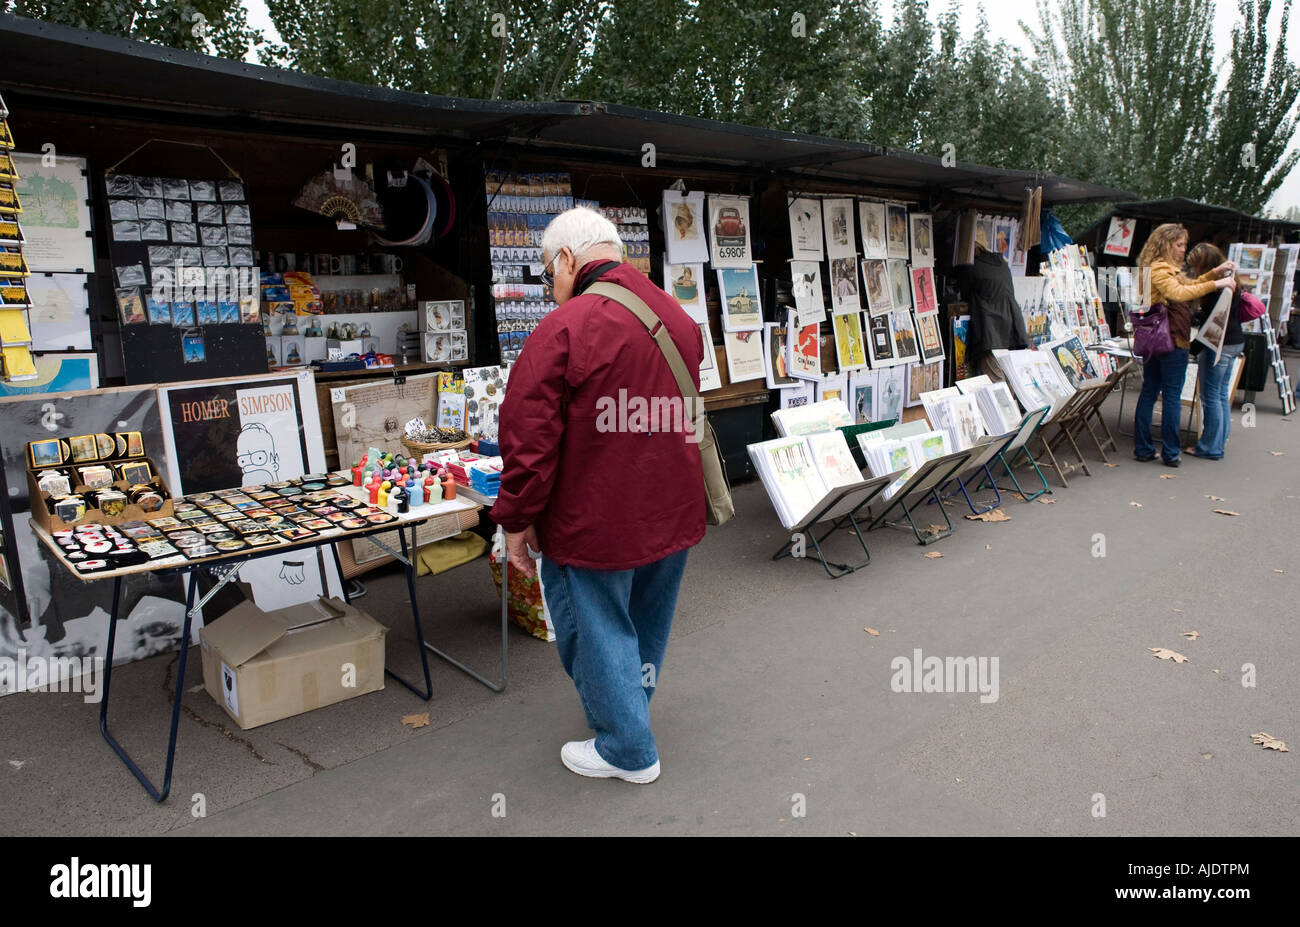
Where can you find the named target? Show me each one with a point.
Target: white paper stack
(885, 455)
(998, 409)
(811, 419)
(833, 459)
(791, 478)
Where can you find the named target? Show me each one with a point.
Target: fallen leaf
(1216, 672)
(1216, 498)
(933, 555)
(1168, 476)
(1179, 610)
(1164, 653)
(1191, 635)
(1279, 571)
(1136, 504)
(1225, 512)
(990, 547)
(957, 778)
(995, 515)
(1046, 501)
(420, 720)
(872, 631)
(1269, 742)
(1207, 756)
(807, 758)
(852, 834)
(1111, 465)
(1278, 453)
(198, 688)
(934, 529)
(17, 764)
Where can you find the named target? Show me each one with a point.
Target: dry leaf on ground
(1168, 476)
(1136, 505)
(1164, 653)
(872, 631)
(933, 555)
(1179, 610)
(1279, 571)
(995, 515)
(1191, 635)
(1269, 742)
(1046, 501)
(990, 547)
(1110, 465)
(1216, 498)
(1225, 512)
(414, 721)
(1278, 453)
(17, 764)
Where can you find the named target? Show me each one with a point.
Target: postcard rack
(840, 507)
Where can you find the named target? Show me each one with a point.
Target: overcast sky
(1004, 23)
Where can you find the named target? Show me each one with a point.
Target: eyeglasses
(548, 278)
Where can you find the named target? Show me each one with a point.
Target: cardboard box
(41, 514)
(264, 666)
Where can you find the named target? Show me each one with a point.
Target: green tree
(217, 27)
(1254, 115)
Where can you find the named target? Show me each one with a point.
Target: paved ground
(774, 696)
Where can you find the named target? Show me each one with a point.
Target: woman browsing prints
(1215, 376)
(1162, 282)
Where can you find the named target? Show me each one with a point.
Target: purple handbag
(1151, 337)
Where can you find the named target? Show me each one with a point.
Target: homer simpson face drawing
(257, 456)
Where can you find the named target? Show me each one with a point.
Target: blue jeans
(1216, 401)
(1164, 374)
(611, 627)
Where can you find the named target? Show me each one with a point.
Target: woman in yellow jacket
(1163, 281)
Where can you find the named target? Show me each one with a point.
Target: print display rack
(840, 507)
(921, 488)
(1280, 376)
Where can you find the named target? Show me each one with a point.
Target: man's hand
(517, 550)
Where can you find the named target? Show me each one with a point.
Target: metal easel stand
(923, 487)
(1018, 447)
(981, 455)
(157, 794)
(841, 506)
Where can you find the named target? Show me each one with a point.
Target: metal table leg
(505, 641)
(155, 793)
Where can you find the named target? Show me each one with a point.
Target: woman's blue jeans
(611, 629)
(1161, 375)
(1216, 399)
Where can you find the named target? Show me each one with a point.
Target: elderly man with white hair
(612, 502)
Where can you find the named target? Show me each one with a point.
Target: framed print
(871, 217)
(922, 239)
(862, 395)
(803, 349)
(774, 353)
(686, 284)
(729, 232)
(896, 230)
(904, 334)
(738, 293)
(900, 285)
(880, 341)
(806, 284)
(889, 401)
(837, 220)
(923, 291)
(684, 239)
(850, 352)
(927, 327)
(844, 285)
(806, 229)
(876, 275)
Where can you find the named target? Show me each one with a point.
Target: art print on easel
(806, 284)
(837, 220)
(683, 215)
(729, 242)
(896, 230)
(806, 229)
(922, 239)
(871, 216)
(738, 291)
(844, 285)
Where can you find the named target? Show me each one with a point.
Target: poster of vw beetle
(729, 231)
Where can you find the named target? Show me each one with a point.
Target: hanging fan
(349, 202)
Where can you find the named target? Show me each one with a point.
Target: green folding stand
(920, 489)
(1019, 446)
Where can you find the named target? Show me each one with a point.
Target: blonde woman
(1163, 282)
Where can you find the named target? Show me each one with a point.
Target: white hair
(581, 230)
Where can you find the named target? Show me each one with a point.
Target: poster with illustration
(806, 229)
(931, 340)
(738, 291)
(774, 338)
(889, 397)
(744, 352)
(806, 284)
(804, 358)
(876, 275)
(850, 352)
(923, 291)
(686, 283)
(896, 229)
(55, 196)
(871, 218)
(862, 395)
(1119, 237)
(900, 285)
(710, 378)
(844, 285)
(729, 231)
(683, 215)
(250, 431)
(837, 219)
(880, 341)
(922, 239)
(906, 348)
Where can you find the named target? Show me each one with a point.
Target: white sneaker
(580, 756)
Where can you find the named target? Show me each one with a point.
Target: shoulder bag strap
(659, 331)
